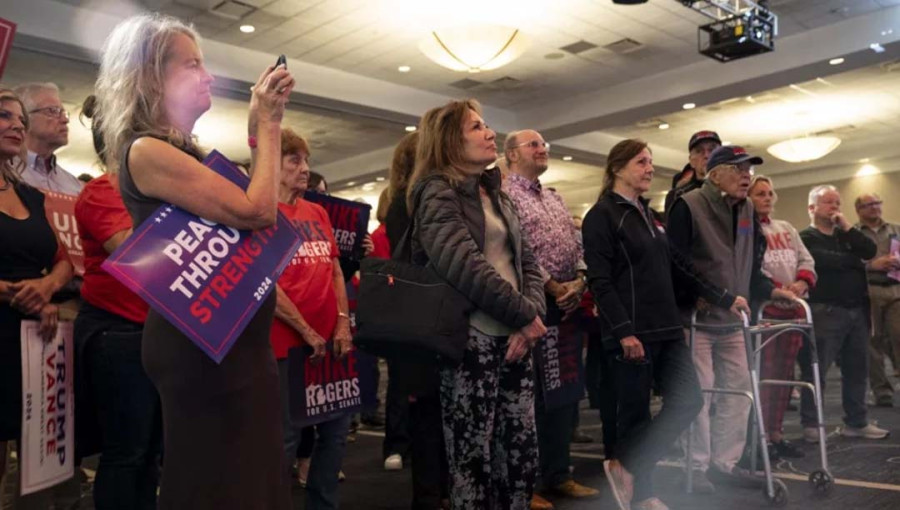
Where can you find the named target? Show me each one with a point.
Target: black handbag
(406, 310)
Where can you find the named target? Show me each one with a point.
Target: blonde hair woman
(789, 265)
(222, 422)
(467, 229)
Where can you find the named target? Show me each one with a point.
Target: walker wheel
(780, 496)
(822, 482)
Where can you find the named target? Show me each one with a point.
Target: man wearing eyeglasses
(700, 146)
(717, 228)
(48, 132)
(884, 295)
(547, 227)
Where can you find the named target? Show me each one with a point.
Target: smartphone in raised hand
(281, 60)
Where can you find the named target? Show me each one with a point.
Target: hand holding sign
(349, 219)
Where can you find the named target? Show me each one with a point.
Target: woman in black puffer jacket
(469, 232)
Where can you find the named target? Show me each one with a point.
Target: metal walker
(774, 490)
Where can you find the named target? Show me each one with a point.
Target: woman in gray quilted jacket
(467, 229)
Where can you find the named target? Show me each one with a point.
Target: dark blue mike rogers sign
(559, 365)
(332, 387)
(207, 279)
(349, 219)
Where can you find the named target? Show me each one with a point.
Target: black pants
(129, 416)
(554, 428)
(601, 388)
(396, 410)
(429, 460)
(644, 440)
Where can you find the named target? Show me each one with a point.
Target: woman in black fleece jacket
(468, 231)
(630, 275)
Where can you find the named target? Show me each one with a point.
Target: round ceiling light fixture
(810, 148)
(474, 48)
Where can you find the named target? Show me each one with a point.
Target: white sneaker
(811, 435)
(649, 504)
(870, 431)
(394, 462)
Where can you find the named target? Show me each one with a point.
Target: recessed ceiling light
(836, 61)
(864, 160)
(689, 106)
(410, 129)
(663, 125)
(351, 183)
(404, 69)
(567, 158)
(248, 29)
(379, 179)
(867, 170)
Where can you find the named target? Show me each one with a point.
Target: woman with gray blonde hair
(222, 422)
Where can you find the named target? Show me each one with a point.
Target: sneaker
(811, 435)
(580, 437)
(620, 482)
(650, 504)
(738, 477)
(539, 503)
(701, 484)
(870, 431)
(573, 489)
(744, 462)
(372, 421)
(394, 462)
(884, 401)
(787, 450)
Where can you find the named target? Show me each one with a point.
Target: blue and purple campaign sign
(559, 365)
(207, 279)
(322, 391)
(349, 220)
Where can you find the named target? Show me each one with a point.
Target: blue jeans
(327, 455)
(128, 412)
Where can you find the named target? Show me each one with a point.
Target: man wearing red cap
(701, 145)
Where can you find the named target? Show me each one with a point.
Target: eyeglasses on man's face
(876, 203)
(741, 168)
(535, 144)
(56, 112)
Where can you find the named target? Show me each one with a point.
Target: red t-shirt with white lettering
(100, 214)
(308, 279)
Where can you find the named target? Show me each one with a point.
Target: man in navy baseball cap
(700, 146)
(716, 227)
(732, 155)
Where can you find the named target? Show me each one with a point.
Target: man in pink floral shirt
(547, 227)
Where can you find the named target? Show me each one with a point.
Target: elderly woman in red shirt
(311, 310)
(124, 404)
